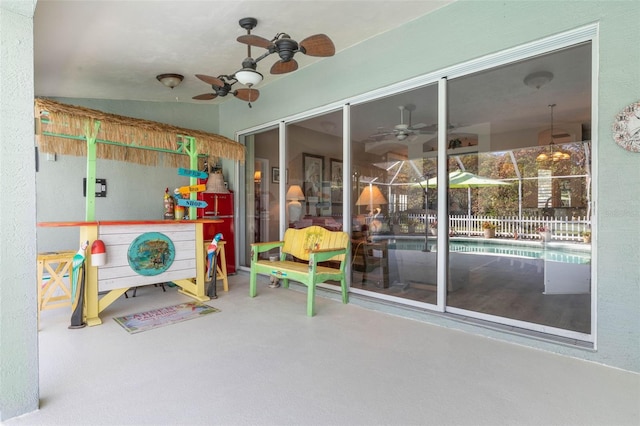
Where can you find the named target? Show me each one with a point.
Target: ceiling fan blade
(434, 127)
(247, 95)
(418, 126)
(205, 97)
(381, 136)
(214, 81)
(381, 133)
(281, 67)
(318, 45)
(254, 40)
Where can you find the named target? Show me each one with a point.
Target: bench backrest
(298, 242)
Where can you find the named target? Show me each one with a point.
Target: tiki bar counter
(132, 252)
(140, 253)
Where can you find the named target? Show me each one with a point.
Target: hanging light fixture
(538, 79)
(170, 80)
(555, 155)
(248, 74)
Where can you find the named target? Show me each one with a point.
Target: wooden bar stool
(221, 263)
(55, 293)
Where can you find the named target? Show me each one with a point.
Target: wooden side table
(55, 293)
(376, 256)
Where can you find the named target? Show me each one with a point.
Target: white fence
(562, 229)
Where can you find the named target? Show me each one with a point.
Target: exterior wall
(18, 315)
(466, 30)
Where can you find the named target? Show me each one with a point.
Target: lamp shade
(215, 183)
(295, 193)
(371, 196)
(248, 77)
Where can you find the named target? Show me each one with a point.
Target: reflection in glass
(518, 192)
(394, 210)
(533, 267)
(314, 152)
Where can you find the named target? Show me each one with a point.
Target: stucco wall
(18, 335)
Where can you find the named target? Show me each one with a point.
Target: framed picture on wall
(275, 175)
(336, 180)
(313, 166)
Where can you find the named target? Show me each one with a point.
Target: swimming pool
(557, 252)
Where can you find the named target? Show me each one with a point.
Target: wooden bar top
(126, 222)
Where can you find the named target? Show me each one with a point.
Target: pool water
(530, 250)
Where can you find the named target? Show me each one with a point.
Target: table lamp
(372, 197)
(294, 195)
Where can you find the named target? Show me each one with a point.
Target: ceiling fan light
(401, 136)
(248, 77)
(170, 80)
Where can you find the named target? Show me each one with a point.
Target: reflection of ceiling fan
(433, 128)
(282, 44)
(401, 131)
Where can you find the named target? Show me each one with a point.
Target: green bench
(312, 245)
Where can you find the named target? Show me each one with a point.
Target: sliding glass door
(393, 149)
(519, 191)
(467, 193)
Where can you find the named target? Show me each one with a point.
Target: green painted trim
(90, 204)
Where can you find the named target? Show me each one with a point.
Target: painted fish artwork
(151, 253)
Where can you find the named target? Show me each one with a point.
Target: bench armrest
(325, 254)
(257, 248)
(266, 246)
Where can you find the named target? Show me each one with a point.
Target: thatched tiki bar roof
(63, 129)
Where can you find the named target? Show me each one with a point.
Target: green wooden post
(90, 208)
(189, 146)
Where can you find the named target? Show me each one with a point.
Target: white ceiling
(112, 49)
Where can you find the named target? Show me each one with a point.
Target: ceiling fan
(316, 45)
(282, 44)
(401, 131)
(222, 87)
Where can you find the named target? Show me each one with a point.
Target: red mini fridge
(220, 206)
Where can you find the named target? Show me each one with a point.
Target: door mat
(143, 321)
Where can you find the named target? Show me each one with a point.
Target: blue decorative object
(151, 253)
